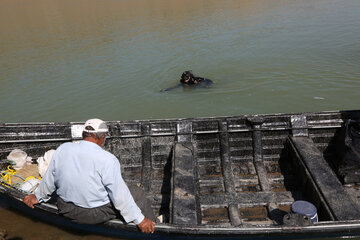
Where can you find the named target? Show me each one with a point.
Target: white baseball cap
(95, 125)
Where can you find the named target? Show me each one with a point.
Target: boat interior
(223, 171)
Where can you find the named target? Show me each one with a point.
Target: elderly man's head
(95, 128)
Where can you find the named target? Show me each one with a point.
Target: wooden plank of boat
(183, 194)
(218, 177)
(325, 181)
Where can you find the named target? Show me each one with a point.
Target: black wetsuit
(197, 81)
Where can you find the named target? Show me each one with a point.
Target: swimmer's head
(187, 77)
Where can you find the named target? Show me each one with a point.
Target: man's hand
(147, 226)
(31, 200)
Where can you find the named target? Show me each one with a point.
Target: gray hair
(88, 134)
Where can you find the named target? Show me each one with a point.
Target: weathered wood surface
(241, 168)
(326, 182)
(183, 198)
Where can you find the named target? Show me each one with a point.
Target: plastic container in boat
(305, 208)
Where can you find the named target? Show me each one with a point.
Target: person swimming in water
(189, 79)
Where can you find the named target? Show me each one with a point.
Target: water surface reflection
(73, 60)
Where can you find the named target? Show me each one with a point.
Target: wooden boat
(220, 177)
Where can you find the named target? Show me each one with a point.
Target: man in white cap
(89, 184)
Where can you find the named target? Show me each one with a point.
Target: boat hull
(224, 177)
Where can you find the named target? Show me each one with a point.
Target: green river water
(70, 60)
(73, 60)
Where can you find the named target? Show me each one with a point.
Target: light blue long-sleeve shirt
(88, 176)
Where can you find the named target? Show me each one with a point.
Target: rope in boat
(6, 177)
(7, 174)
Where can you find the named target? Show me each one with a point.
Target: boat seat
(183, 200)
(324, 180)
